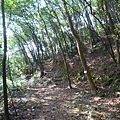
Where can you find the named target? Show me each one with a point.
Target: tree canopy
(60, 30)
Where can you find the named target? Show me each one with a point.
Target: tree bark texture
(79, 46)
(4, 64)
(112, 26)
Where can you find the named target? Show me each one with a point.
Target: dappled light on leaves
(63, 60)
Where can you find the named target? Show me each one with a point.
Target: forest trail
(51, 99)
(80, 33)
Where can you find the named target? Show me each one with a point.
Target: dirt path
(54, 96)
(50, 99)
(58, 102)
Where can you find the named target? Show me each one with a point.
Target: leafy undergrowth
(49, 98)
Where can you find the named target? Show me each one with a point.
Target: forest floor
(50, 98)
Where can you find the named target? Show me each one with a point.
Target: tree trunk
(66, 66)
(4, 65)
(112, 26)
(63, 55)
(79, 46)
(93, 35)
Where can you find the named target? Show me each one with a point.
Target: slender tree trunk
(64, 56)
(93, 35)
(66, 66)
(111, 52)
(4, 65)
(112, 26)
(74, 32)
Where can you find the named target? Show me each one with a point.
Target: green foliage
(30, 21)
(81, 76)
(17, 87)
(14, 87)
(100, 46)
(62, 70)
(85, 31)
(73, 73)
(117, 29)
(1, 86)
(115, 84)
(16, 66)
(90, 111)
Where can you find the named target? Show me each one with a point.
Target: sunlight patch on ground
(48, 98)
(96, 98)
(33, 89)
(73, 111)
(52, 86)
